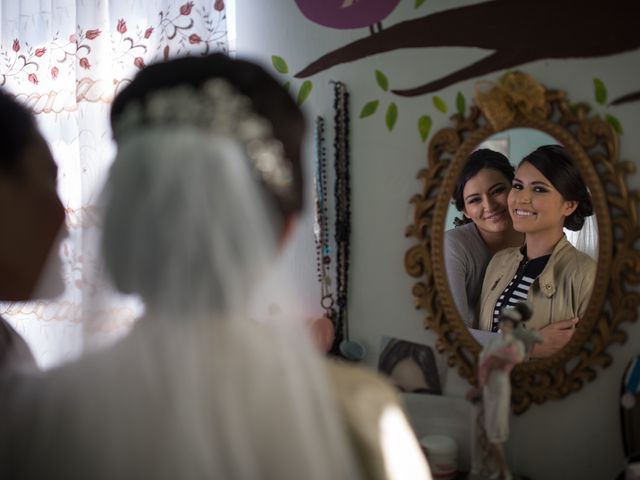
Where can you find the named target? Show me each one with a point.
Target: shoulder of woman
(365, 399)
(504, 259)
(464, 238)
(352, 383)
(574, 267)
(456, 235)
(571, 255)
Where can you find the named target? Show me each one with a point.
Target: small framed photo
(410, 366)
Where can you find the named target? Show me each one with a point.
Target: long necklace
(321, 224)
(343, 210)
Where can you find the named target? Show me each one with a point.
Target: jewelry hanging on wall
(343, 345)
(321, 224)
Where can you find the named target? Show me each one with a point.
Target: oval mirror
(518, 105)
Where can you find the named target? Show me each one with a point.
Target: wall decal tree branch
(514, 32)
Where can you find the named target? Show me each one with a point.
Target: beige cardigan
(562, 291)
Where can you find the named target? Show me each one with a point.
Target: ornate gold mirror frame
(517, 100)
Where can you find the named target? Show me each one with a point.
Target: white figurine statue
(495, 363)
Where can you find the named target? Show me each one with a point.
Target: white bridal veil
(197, 389)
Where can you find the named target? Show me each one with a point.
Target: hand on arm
(555, 337)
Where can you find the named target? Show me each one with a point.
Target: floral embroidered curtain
(66, 59)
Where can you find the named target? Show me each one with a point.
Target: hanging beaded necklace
(321, 224)
(335, 307)
(343, 208)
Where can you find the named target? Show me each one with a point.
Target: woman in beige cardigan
(548, 194)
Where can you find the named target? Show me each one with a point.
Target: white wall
(578, 437)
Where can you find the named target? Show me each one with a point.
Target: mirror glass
(515, 144)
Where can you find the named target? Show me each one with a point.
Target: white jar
(442, 454)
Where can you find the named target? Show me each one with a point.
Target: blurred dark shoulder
(14, 351)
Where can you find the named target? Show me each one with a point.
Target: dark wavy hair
(478, 160)
(397, 350)
(17, 132)
(555, 164)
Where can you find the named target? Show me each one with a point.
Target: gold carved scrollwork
(517, 100)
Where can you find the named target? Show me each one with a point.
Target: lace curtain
(66, 59)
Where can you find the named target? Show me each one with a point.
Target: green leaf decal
(419, 2)
(600, 91)
(381, 78)
(461, 103)
(424, 126)
(392, 116)
(305, 90)
(439, 104)
(369, 109)
(615, 123)
(279, 64)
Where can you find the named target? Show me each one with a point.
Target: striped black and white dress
(518, 288)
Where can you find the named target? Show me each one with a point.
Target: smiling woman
(548, 195)
(485, 228)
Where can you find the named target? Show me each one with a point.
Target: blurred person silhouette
(32, 217)
(204, 189)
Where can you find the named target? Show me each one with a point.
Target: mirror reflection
(521, 227)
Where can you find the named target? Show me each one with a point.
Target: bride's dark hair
(269, 99)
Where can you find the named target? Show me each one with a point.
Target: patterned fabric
(66, 60)
(518, 289)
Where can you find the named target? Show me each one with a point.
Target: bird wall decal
(345, 14)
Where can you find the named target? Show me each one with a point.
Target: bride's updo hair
(554, 162)
(208, 170)
(269, 99)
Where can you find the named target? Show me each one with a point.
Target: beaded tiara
(218, 108)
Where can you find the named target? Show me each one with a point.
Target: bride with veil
(201, 195)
